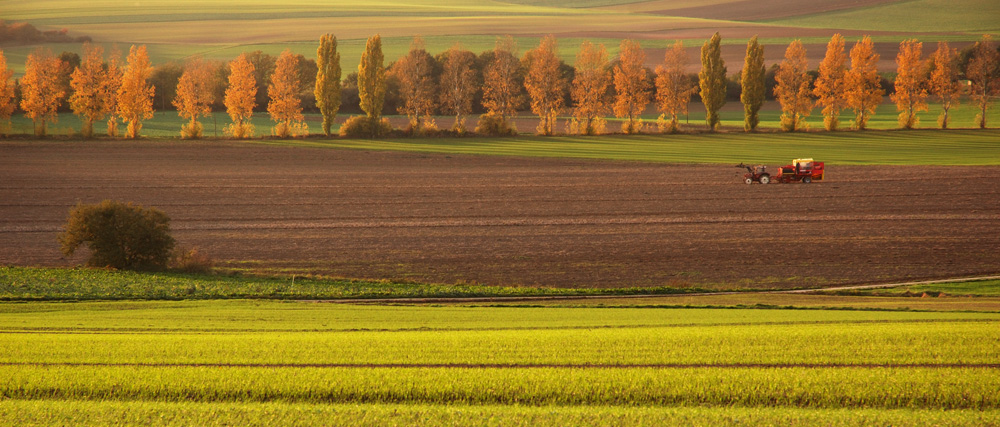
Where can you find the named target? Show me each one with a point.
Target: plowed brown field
(496, 220)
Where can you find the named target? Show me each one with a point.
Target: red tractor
(802, 170)
(755, 173)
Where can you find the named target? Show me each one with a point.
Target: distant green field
(977, 288)
(918, 147)
(970, 16)
(396, 47)
(167, 123)
(32, 284)
(217, 362)
(845, 148)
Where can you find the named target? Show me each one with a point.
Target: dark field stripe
(511, 365)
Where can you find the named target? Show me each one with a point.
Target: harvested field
(499, 220)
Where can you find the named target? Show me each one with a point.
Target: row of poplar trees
(111, 90)
(858, 87)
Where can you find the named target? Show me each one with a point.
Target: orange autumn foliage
(135, 96)
(632, 86)
(944, 84)
(590, 88)
(90, 89)
(41, 91)
(792, 88)
(545, 84)
(862, 82)
(285, 105)
(673, 88)
(241, 97)
(6, 95)
(829, 87)
(911, 83)
(195, 94)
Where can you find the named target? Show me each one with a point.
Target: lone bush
(119, 235)
(361, 127)
(492, 124)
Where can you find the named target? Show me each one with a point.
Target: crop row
(936, 343)
(946, 388)
(153, 413)
(263, 316)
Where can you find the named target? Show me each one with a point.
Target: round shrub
(361, 127)
(492, 124)
(119, 235)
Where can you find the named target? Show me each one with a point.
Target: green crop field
(990, 288)
(27, 284)
(167, 123)
(972, 16)
(219, 362)
(898, 148)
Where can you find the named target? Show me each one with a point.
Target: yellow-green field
(225, 362)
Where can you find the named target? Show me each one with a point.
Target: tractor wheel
(748, 180)
(807, 180)
(764, 179)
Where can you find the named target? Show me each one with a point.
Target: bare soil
(512, 221)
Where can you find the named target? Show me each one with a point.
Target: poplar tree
(41, 91)
(862, 83)
(284, 104)
(632, 86)
(830, 86)
(501, 93)
(417, 87)
(673, 88)
(752, 85)
(113, 82)
(911, 83)
(712, 80)
(135, 95)
(241, 97)
(590, 88)
(944, 83)
(195, 94)
(88, 82)
(458, 85)
(6, 95)
(327, 90)
(983, 72)
(371, 83)
(545, 84)
(793, 89)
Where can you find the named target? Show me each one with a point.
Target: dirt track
(500, 220)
